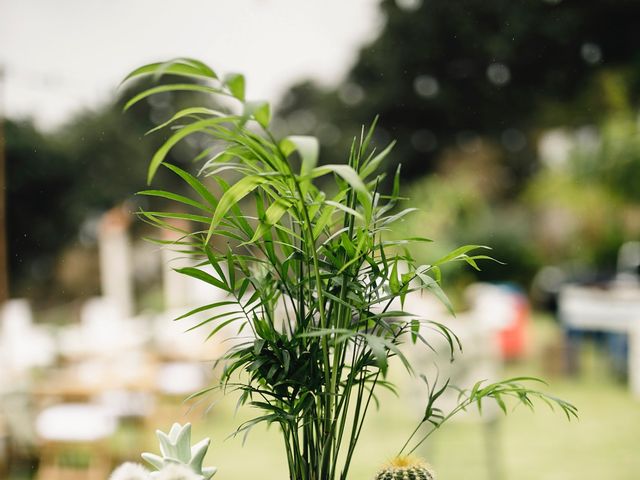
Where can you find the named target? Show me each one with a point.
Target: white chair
(23, 345)
(71, 431)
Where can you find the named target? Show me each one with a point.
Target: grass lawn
(603, 444)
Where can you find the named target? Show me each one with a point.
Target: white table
(616, 309)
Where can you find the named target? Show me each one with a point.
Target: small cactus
(176, 450)
(406, 468)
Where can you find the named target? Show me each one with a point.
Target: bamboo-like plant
(311, 279)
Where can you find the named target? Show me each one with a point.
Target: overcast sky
(60, 56)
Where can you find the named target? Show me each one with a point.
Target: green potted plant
(309, 272)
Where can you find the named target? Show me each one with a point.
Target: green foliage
(68, 177)
(614, 163)
(500, 392)
(65, 179)
(427, 74)
(38, 178)
(310, 276)
(450, 47)
(586, 207)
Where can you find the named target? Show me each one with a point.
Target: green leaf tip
(307, 146)
(235, 82)
(185, 67)
(260, 110)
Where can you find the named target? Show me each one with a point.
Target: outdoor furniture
(23, 344)
(615, 309)
(73, 442)
(89, 379)
(103, 331)
(173, 342)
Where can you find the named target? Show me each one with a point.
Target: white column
(115, 262)
(175, 286)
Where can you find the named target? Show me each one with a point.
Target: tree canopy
(444, 73)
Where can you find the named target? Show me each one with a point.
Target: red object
(513, 338)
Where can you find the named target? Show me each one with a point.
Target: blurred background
(517, 126)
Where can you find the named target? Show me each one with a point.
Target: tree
(442, 73)
(58, 182)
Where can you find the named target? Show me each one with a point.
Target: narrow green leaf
(194, 183)
(364, 144)
(189, 112)
(178, 216)
(394, 283)
(231, 269)
(347, 173)
(375, 162)
(271, 216)
(458, 252)
(206, 307)
(430, 284)
(204, 276)
(236, 84)
(163, 151)
(415, 330)
(308, 147)
(221, 325)
(232, 196)
(345, 209)
(174, 87)
(393, 218)
(186, 67)
(260, 111)
(176, 198)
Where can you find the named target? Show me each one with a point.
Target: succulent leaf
(198, 451)
(175, 431)
(209, 472)
(153, 459)
(183, 444)
(176, 450)
(166, 449)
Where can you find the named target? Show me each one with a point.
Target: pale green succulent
(176, 449)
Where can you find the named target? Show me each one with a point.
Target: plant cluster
(314, 286)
